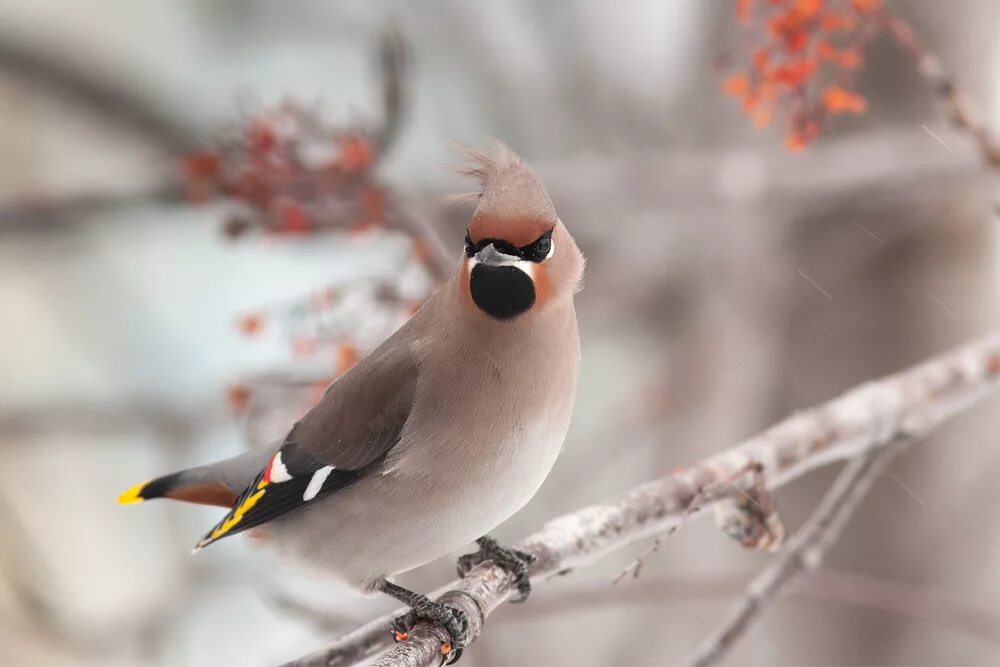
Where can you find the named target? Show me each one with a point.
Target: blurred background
(165, 304)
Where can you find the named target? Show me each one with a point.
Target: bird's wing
(342, 438)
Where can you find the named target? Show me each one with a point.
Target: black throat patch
(502, 292)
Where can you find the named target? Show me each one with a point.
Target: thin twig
(930, 67)
(74, 80)
(805, 551)
(860, 591)
(26, 574)
(394, 61)
(440, 261)
(936, 609)
(939, 611)
(716, 492)
(894, 160)
(392, 53)
(909, 403)
(40, 213)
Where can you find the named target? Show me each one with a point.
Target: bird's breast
(491, 425)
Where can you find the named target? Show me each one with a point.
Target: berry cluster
(286, 171)
(803, 57)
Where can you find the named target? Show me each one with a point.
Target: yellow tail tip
(133, 495)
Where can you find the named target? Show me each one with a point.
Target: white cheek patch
(316, 483)
(527, 267)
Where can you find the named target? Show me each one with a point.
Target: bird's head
(519, 257)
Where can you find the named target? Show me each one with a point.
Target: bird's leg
(513, 561)
(453, 620)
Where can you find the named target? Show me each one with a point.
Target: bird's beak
(490, 256)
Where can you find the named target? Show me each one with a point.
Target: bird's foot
(453, 620)
(513, 561)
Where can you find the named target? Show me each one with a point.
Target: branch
(863, 592)
(865, 418)
(392, 54)
(895, 162)
(410, 220)
(804, 552)
(930, 68)
(393, 60)
(848, 589)
(35, 213)
(79, 83)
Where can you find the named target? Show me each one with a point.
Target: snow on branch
(905, 405)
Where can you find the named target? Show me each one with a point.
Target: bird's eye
(540, 249)
(543, 246)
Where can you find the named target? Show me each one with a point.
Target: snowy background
(729, 283)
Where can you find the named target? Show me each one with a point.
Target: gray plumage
(479, 440)
(452, 424)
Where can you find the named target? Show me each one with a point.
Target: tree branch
(439, 259)
(393, 61)
(864, 419)
(79, 83)
(804, 552)
(44, 213)
(935, 609)
(931, 69)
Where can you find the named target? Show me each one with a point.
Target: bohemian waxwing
(441, 433)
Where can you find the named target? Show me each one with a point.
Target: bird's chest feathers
(502, 426)
(500, 468)
(501, 423)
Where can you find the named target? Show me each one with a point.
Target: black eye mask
(533, 252)
(502, 292)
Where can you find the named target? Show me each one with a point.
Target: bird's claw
(453, 620)
(513, 561)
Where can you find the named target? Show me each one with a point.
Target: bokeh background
(729, 282)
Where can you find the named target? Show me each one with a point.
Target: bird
(437, 436)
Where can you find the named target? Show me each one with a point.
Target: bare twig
(860, 591)
(41, 213)
(850, 589)
(26, 574)
(935, 608)
(720, 489)
(22, 424)
(394, 59)
(412, 222)
(76, 81)
(805, 551)
(866, 418)
(877, 594)
(895, 161)
(929, 66)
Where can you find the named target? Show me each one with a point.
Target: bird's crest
(511, 202)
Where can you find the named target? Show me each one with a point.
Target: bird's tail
(215, 484)
(179, 486)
